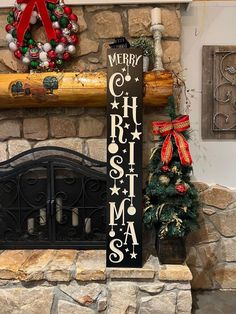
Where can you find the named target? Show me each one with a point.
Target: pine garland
(171, 199)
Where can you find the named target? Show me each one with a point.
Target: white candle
(75, 217)
(87, 225)
(59, 209)
(156, 16)
(30, 226)
(42, 219)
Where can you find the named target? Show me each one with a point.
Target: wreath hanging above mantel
(60, 25)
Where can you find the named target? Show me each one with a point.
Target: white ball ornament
(23, 6)
(46, 64)
(9, 38)
(43, 56)
(26, 60)
(47, 47)
(12, 46)
(33, 20)
(55, 25)
(71, 49)
(34, 13)
(60, 48)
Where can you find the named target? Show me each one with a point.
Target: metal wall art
(125, 96)
(219, 92)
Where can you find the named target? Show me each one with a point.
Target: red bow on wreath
(26, 15)
(169, 128)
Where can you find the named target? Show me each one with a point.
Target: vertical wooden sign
(124, 157)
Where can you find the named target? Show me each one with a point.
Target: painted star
(127, 126)
(114, 104)
(124, 151)
(121, 229)
(136, 79)
(115, 190)
(133, 255)
(127, 250)
(131, 170)
(136, 134)
(126, 93)
(124, 191)
(124, 69)
(121, 181)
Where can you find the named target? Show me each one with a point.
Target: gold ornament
(174, 169)
(164, 180)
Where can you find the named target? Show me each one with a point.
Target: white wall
(207, 23)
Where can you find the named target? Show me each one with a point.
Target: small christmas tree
(171, 199)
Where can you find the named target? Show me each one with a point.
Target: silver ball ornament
(71, 49)
(60, 48)
(12, 46)
(65, 31)
(26, 60)
(55, 25)
(43, 56)
(9, 38)
(75, 27)
(47, 47)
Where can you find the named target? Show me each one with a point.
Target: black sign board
(124, 157)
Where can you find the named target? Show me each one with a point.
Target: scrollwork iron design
(52, 201)
(223, 119)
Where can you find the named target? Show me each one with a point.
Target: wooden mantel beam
(72, 89)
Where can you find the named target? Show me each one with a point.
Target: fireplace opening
(52, 197)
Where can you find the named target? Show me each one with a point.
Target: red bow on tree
(169, 128)
(26, 15)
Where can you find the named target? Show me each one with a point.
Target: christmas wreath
(60, 25)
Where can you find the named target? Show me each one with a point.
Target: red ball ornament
(52, 64)
(15, 24)
(18, 54)
(20, 1)
(58, 32)
(73, 17)
(52, 54)
(69, 26)
(165, 168)
(19, 44)
(181, 188)
(67, 10)
(74, 39)
(66, 56)
(8, 27)
(63, 40)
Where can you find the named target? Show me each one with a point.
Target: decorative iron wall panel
(124, 138)
(219, 92)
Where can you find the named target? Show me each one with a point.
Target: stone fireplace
(77, 281)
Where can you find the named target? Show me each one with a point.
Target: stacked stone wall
(212, 248)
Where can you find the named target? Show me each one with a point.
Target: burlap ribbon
(174, 128)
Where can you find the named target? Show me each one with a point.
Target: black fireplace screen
(52, 198)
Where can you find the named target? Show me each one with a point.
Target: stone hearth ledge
(89, 265)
